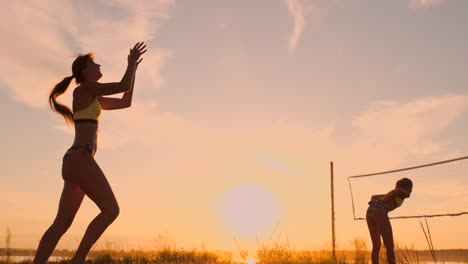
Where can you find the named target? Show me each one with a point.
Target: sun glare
(251, 261)
(249, 209)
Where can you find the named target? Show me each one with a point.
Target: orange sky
(239, 107)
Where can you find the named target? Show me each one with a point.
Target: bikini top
(398, 198)
(398, 201)
(91, 113)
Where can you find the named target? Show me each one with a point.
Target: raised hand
(136, 52)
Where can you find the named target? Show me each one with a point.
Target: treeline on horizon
(452, 255)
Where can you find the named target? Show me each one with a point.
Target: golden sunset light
(234, 131)
(249, 209)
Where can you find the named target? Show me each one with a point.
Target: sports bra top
(91, 113)
(398, 201)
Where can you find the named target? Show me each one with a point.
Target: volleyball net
(439, 189)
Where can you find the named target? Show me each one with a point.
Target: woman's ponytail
(77, 67)
(58, 90)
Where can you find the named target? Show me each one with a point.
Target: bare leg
(387, 236)
(70, 202)
(373, 225)
(97, 188)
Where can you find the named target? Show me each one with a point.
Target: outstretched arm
(108, 103)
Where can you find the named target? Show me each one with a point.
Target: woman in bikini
(80, 172)
(378, 221)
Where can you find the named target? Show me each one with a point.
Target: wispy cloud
(426, 116)
(310, 13)
(267, 159)
(385, 135)
(409, 128)
(426, 3)
(143, 124)
(40, 49)
(297, 11)
(440, 188)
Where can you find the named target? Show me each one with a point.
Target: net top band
(409, 168)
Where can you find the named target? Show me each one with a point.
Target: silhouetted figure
(378, 221)
(80, 172)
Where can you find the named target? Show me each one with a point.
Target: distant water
(22, 258)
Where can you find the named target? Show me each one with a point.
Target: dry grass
(281, 252)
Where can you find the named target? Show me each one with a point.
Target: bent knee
(115, 212)
(112, 212)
